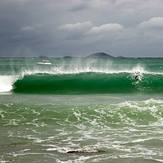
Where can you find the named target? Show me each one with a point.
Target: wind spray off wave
(77, 78)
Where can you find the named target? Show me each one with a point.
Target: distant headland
(96, 55)
(100, 55)
(103, 55)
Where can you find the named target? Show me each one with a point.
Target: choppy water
(96, 121)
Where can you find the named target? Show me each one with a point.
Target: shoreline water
(47, 128)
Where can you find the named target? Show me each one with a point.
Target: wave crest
(83, 80)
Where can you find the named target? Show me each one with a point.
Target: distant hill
(100, 55)
(67, 57)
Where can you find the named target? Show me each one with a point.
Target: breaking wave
(76, 81)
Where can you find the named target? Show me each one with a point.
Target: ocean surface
(88, 110)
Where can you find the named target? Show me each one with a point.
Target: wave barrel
(75, 83)
(88, 83)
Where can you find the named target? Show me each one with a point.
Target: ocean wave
(89, 82)
(79, 80)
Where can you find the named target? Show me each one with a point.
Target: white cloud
(80, 26)
(87, 29)
(152, 23)
(111, 27)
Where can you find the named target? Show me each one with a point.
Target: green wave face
(88, 83)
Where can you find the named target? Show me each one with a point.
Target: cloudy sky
(80, 27)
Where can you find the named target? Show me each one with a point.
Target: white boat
(44, 62)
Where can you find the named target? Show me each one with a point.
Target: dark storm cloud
(80, 27)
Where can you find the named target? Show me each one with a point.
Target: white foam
(6, 83)
(43, 63)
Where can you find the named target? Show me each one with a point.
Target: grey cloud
(79, 27)
(27, 28)
(79, 7)
(75, 30)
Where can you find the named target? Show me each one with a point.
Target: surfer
(137, 76)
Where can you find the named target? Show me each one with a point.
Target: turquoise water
(81, 110)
